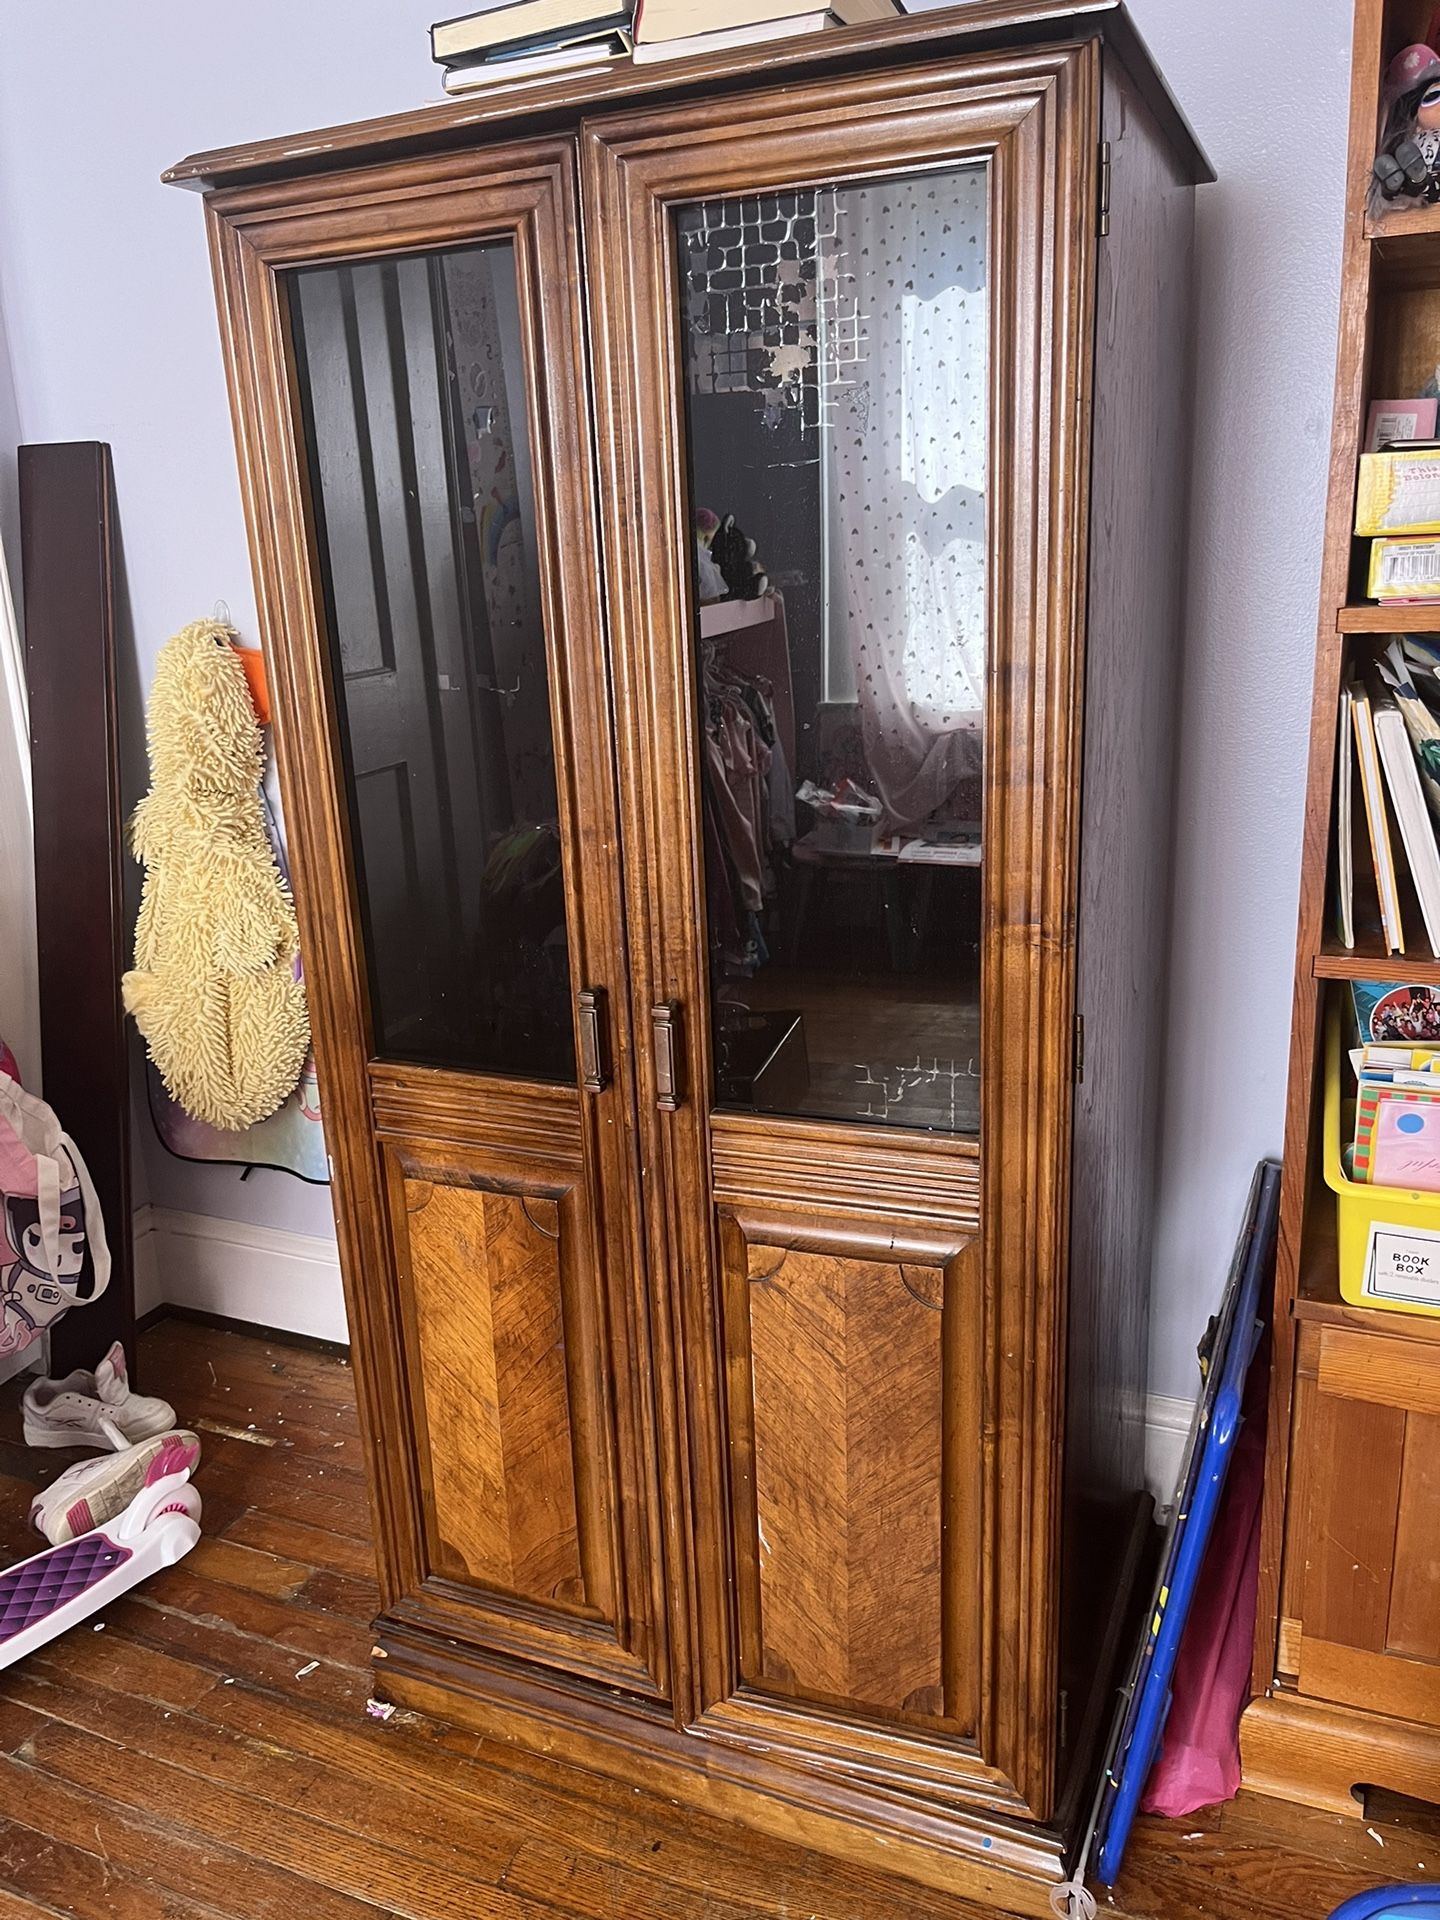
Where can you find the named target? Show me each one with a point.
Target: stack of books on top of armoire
(509, 40)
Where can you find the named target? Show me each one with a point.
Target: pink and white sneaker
(88, 1494)
(93, 1409)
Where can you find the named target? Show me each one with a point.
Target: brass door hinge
(1104, 187)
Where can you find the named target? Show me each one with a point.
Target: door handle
(594, 1023)
(665, 1032)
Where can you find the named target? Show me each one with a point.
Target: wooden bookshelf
(1405, 618)
(1404, 225)
(1369, 961)
(1320, 1427)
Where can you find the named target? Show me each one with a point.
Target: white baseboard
(1167, 1427)
(289, 1281)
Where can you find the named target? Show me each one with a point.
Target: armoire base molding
(1305, 1750)
(1012, 1866)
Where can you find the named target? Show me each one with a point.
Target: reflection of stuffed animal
(214, 989)
(709, 580)
(734, 554)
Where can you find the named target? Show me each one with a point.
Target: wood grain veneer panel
(485, 1269)
(1414, 1625)
(846, 1369)
(1349, 1530)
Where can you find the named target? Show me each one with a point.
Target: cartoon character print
(30, 1295)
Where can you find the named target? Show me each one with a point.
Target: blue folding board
(1212, 1441)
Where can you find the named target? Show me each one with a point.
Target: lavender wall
(105, 291)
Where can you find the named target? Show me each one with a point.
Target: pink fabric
(1199, 1762)
(9, 1064)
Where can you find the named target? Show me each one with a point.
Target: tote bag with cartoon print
(53, 1252)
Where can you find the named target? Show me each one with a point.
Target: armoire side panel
(1140, 409)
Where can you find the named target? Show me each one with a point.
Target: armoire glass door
(834, 345)
(457, 847)
(834, 348)
(830, 557)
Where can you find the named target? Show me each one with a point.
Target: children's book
(1396, 1066)
(1381, 851)
(1394, 1012)
(1420, 723)
(1345, 824)
(1402, 776)
(1397, 1137)
(1398, 420)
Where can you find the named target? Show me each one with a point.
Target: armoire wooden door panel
(855, 1457)
(492, 1383)
(410, 391)
(783, 1323)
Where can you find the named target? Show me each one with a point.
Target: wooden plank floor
(204, 1749)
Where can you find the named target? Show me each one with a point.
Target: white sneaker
(94, 1491)
(93, 1409)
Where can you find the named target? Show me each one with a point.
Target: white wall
(105, 285)
(1269, 274)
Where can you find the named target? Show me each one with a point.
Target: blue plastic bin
(1393, 1903)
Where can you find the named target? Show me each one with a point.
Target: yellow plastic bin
(1405, 1276)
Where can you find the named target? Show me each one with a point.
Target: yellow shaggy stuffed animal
(214, 989)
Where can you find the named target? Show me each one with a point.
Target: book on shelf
(1420, 722)
(1404, 568)
(1345, 823)
(1393, 1013)
(1372, 788)
(673, 20)
(532, 63)
(1402, 777)
(1393, 1064)
(1397, 1137)
(1398, 420)
(522, 24)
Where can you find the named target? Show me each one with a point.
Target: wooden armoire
(728, 788)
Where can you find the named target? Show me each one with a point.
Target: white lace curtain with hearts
(903, 288)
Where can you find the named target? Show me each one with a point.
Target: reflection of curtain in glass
(906, 448)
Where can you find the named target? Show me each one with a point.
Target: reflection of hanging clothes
(741, 761)
(782, 796)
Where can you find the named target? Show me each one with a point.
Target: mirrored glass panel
(412, 384)
(836, 344)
